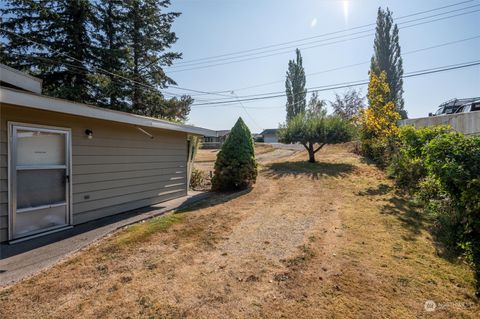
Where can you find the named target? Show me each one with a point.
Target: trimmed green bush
(442, 169)
(380, 150)
(235, 167)
(454, 160)
(407, 162)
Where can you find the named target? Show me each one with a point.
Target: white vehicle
(453, 106)
(469, 107)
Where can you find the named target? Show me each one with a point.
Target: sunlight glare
(346, 6)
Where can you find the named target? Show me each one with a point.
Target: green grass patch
(141, 232)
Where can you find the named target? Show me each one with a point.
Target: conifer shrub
(235, 167)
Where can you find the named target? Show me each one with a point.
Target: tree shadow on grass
(408, 214)
(311, 170)
(414, 219)
(213, 200)
(381, 189)
(400, 206)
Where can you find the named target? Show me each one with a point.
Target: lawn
(210, 155)
(326, 240)
(205, 158)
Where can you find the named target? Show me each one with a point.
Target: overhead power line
(218, 93)
(318, 43)
(98, 69)
(246, 112)
(313, 46)
(348, 84)
(354, 64)
(320, 35)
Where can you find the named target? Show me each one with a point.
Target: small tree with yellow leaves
(378, 121)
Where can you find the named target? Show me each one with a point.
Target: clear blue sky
(214, 27)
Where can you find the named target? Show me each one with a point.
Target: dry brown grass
(325, 240)
(261, 148)
(205, 159)
(206, 155)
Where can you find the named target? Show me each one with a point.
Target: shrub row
(441, 168)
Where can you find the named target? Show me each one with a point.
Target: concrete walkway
(21, 260)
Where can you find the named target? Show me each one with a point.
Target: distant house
(65, 163)
(257, 137)
(215, 140)
(270, 135)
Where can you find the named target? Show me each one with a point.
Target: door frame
(12, 181)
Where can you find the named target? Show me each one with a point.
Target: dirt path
(275, 155)
(325, 240)
(264, 154)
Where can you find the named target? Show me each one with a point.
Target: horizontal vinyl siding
(3, 179)
(106, 197)
(125, 175)
(122, 150)
(125, 182)
(125, 167)
(131, 159)
(115, 209)
(119, 169)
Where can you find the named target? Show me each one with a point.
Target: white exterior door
(39, 179)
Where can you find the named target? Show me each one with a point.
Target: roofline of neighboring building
(42, 102)
(269, 131)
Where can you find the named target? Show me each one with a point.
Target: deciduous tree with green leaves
(236, 167)
(314, 131)
(295, 87)
(349, 104)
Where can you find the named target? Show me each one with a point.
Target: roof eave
(42, 102)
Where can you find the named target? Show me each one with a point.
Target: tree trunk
(311, 153)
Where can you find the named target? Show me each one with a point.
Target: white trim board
(20, 79)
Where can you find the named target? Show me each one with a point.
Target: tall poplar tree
(61, 26)
(387, 57)
(295, 87)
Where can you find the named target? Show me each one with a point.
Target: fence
(466, 123)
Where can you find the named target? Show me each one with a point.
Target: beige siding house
(64, 163)
(270, 135)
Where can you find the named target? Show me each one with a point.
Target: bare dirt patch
(325, 240)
